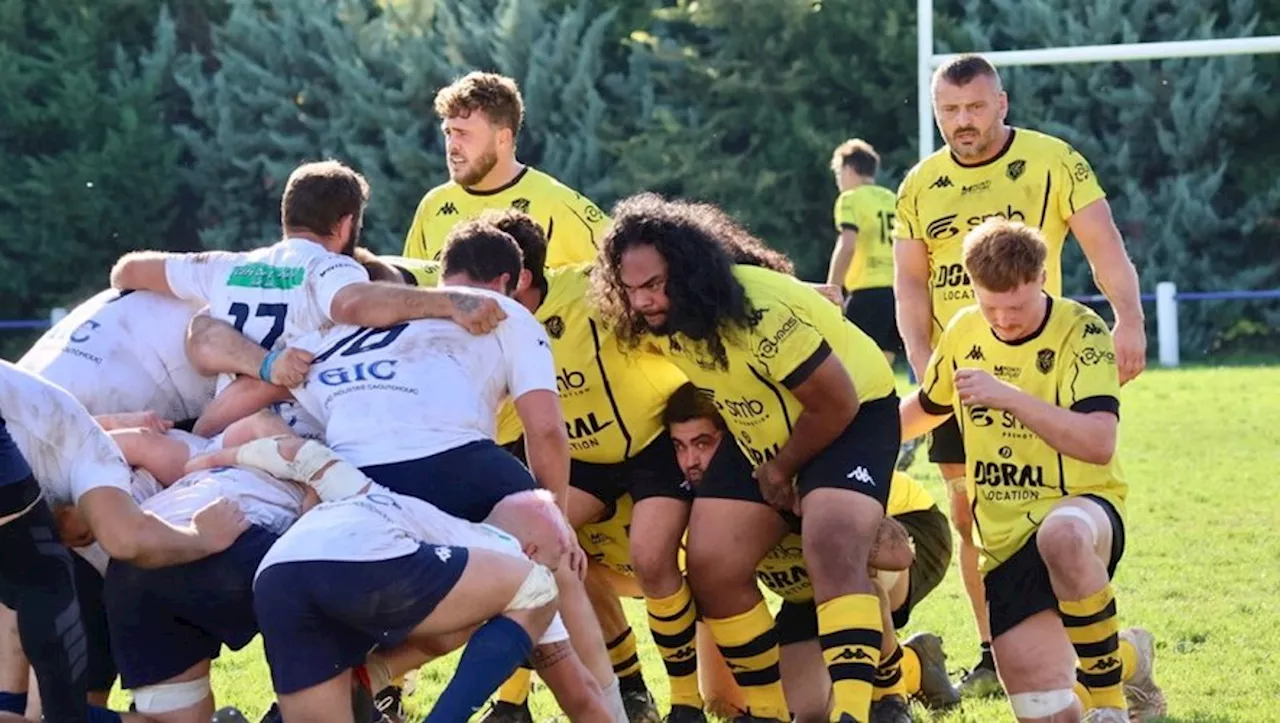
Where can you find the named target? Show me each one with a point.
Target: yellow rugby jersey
(612, 401)
(794, 323)
(608, 541)
(868, 210)
(783, 571)
(573, 224)
(1014, 477)
(422, 272)
(1037, 179)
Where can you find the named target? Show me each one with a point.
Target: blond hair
(1001, 255)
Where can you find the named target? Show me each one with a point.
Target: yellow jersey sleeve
(846, 211)
(417, 271)
(1089, 380)
(415, 242)
(906, 217)
(575, 233)
(1077, 182)
(785, 345)
(938, 388)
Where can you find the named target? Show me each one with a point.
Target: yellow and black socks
(515, 690)
(1094, 631)
(626, 661)
(1128, 666)
(889, 679)
(750, 647)
(673, 623)
(849, 630)
(910, 666)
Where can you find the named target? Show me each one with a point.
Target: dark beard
(484, 164)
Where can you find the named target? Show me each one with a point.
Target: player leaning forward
(809, 400)
(1032, 379)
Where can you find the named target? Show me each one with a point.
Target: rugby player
(439, 388)
(806, 394)
(73, 462)
(862, 261)
(1033, 380)
(989, 169)
(481, 115)
(308, 280)
(918, 667)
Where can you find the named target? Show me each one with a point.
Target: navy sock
(13, 703)
(491, 656)
(103, 715)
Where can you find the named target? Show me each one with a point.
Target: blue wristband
(264, 371)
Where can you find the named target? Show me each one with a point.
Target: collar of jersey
(506, 186)
(1008, 143)
(1048, 313)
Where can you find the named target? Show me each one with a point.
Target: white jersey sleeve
(331, 275)
(195, 276)
(526, 352)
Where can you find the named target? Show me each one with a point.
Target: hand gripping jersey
(868, 211)
(422, 387)
(573, 224)
(795, 330)
(1036, 179)
(124, 352)
(1014, 478)
(613, 401)
(67, 451)
(266, 501)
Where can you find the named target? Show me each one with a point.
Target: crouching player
(1038, 399)
(918, 666)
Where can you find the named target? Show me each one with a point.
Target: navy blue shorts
(165, 620)
(322, 617)
(465, 481)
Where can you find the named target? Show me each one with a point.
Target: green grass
(1202, 568)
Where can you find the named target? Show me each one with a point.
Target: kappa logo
(861, 474)
(521, 205)
(1091, 328)
(942, 182)
(1044, 360)
(852, 654)
(1015, 169)
(1108, 663)
(448, 209)
(975, 354)
(444, 553)
(554, 327)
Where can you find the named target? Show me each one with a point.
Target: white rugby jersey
(382, 525)
(68, 452)
(124, 352)
(266, 501)
(422, 387)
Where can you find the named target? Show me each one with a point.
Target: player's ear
(526, 279)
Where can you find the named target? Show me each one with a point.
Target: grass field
(1202, 568)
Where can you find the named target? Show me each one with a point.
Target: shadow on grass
(1195, 717)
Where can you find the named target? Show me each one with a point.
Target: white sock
(379, 674)
(613, 701)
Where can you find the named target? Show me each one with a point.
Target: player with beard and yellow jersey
(481, 115)
(987, 170)
(1032, 381)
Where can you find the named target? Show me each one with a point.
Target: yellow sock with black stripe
(750, 647)
(889, 679)
(1082, 694)
(1128, 666)
(673, 623)
(910, 670)
(515, 690)
(623, 655)
(849, 630)
(1094, 631)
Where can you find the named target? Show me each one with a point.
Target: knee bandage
(169, 697)
(1041, 704)
(340, 481)
(538, 589)
(1079, 514)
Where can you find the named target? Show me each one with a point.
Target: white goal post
(927, 61)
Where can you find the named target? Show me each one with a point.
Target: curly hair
(700, 244)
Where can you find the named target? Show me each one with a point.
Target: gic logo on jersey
(81, 333)
(381, 370)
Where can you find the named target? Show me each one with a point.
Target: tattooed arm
(381, 304)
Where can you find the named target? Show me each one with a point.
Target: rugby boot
(640, 706)
(1105, 715)
(1145, 699)
(907, 454)
(685, 714)
(390, 704)
(890, 709)
(936, 690)
(981, 682)
(503, 712)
